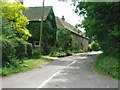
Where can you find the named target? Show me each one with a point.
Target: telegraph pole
(41, 28)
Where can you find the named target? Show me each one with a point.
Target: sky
(60, 9)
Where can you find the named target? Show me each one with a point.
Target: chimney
(63, 18)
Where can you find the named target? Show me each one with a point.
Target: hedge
(29, 50)
(13, 49)
(21, 48)
(8, 52)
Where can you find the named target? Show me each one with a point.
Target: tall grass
(108, 65)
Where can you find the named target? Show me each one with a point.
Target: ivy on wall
(48, 34)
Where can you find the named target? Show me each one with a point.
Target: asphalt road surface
(69, 72)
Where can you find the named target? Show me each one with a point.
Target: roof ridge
(39, 6)
(62, 22)
(69, 26)
(34, 13)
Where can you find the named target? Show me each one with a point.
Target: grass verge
(26, 66)
(107, 65)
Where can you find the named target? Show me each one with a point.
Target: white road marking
(48, 79)
(54, 75)
(70, 63)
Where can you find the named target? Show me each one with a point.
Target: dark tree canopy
(102, 20)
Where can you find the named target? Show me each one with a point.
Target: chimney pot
(63, 18)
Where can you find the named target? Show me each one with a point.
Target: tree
(13, 12)
(102, 21)
(64, 40)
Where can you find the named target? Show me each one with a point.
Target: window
(36, 44)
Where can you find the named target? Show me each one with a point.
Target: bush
(94, 46)
(68, 53)
(21, 48)
(108, 64)
(64, 40)
(77, 50)
(8, 52)
(36, 53)
(61, 54)
(6, 28)
(29, 50)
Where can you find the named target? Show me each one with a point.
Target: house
(78, 40)
(21, 1)
(34, 15)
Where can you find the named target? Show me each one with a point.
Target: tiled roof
(35, 13)
(64, 24)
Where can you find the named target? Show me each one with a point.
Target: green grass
(107, 65)
(26, 66)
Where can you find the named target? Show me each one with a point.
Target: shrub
(6, 28)
(61, 54)
(21, 48)
(36, 53)
(93, 46)
(29, 50)
(64, 40)
(8, 52)
(68, 53)
(77, 50)
(108, 64)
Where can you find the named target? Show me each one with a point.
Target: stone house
(78, 40)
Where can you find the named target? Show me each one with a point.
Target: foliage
(64, 40)
(94, 46)
(8, 52)
(48, 34)
(61, 54)
(26, 66)
(21, 48)
(77, 50)
(102, 21)
(63, 44)
(108, 65)
(6, 28)
(10, 70)
(16, 18)
(13, 49)
(29, 50)
(36, 53)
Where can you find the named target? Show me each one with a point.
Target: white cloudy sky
(60, 9)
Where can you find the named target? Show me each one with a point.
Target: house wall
(79, 42)
(76, 41)
(85, 44)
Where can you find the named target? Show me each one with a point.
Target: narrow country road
(68, 72)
